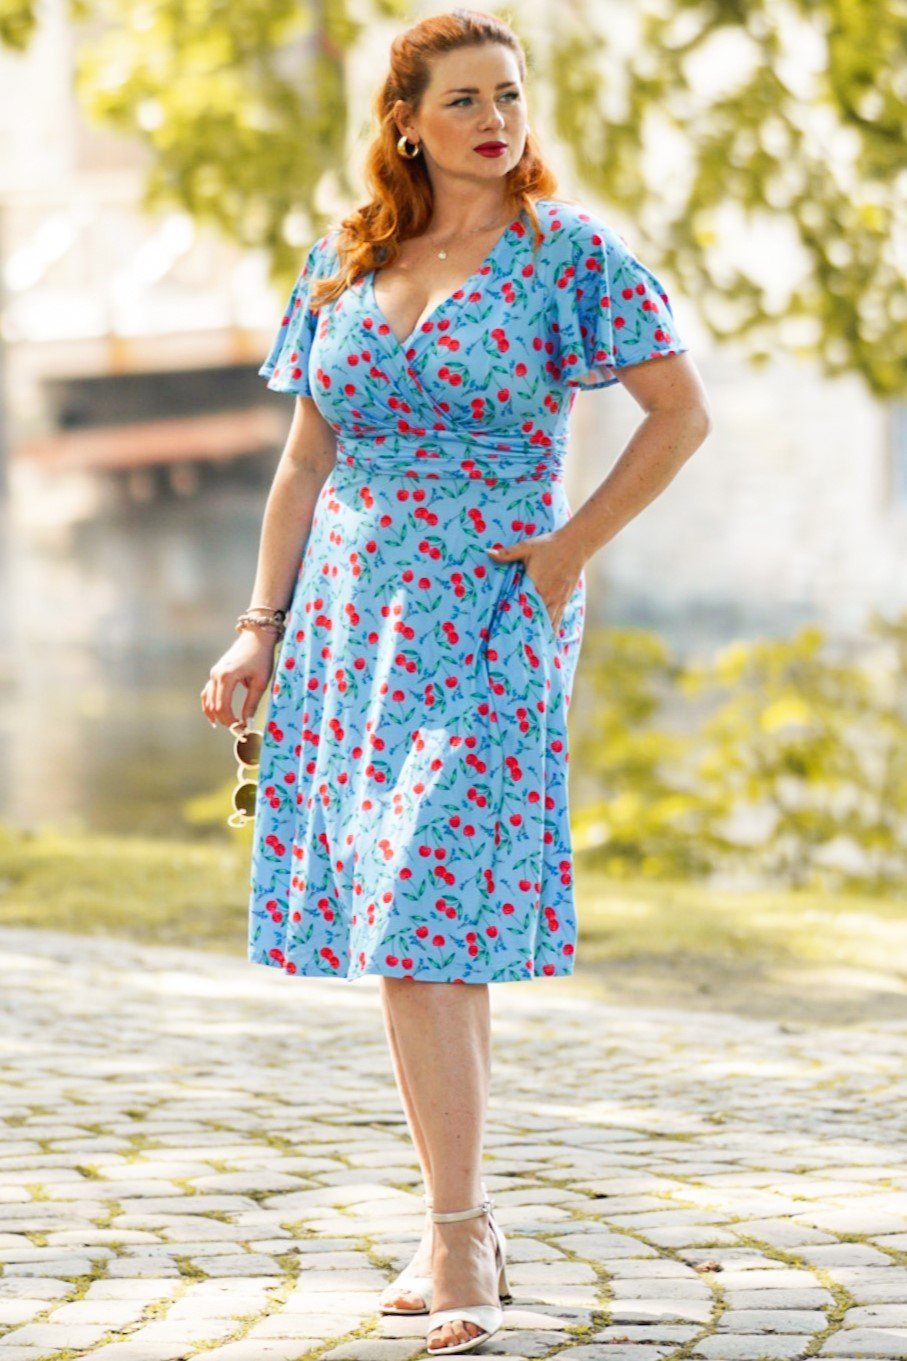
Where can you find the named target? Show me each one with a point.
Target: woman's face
(475, 96)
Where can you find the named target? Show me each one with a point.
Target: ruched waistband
(452, 454)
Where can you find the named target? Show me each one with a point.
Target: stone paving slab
(749, 1347)
(681, 1187)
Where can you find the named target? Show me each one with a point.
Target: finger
(229, 687)
(224, 705)
(250, 703)
(206, 703)
(212, 698)
(217, 703)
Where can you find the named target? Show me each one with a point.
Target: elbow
(701, 416)
(699, 425)
(690, 425)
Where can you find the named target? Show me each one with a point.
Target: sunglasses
(247, 750)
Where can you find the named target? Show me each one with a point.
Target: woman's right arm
(308, 458)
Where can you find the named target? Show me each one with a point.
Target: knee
(422, 996)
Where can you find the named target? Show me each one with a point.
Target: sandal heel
(504, 1292)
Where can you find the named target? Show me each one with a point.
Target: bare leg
(421, 1262)
(444, 1042)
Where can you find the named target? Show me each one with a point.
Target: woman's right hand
(248, 662)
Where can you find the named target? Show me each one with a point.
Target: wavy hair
(401, 203)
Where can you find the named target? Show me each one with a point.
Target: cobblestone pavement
(202, 1157)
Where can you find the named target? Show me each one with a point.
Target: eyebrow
(474, 89)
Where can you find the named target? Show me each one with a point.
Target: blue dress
(412, 808)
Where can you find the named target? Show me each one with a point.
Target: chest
(416, 285)
(480, 354)
(482, 362)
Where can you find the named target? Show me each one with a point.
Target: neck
(451, 221)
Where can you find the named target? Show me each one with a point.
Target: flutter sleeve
(611, 309)
(287, 365)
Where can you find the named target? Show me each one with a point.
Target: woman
(411, 817)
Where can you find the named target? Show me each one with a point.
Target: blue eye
(515, 94)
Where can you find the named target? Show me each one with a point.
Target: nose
(497, 120)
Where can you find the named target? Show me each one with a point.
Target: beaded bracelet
(259, 617)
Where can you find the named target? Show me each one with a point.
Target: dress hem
(416, 977)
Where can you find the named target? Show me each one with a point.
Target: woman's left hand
(553, 567)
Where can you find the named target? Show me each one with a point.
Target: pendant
(442, 254)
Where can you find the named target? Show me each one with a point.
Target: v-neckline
(407, 340)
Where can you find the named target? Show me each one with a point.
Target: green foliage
(240, 106)
(780, 740)
(797, 130)
(18, 23)
(814, 748)
(641, 823)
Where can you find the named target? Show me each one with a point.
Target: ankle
(481, 1196)
(458, 1236)
(460, 1203)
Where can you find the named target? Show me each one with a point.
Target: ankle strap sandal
(489, 1317)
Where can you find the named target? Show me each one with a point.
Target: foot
(463, 1272)
(419, 1266)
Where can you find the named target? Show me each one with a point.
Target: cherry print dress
(412, 811)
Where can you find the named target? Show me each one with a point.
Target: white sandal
(487, 1316)
(411, 1284)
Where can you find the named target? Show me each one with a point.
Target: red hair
(401, 203)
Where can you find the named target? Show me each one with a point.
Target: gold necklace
(476, 231)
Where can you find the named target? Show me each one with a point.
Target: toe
(409, 1301)
(449, 1334)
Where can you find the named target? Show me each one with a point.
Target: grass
(161, 892)
(795, 955)
(776, 927)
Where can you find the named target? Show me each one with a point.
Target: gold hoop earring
(402, 143)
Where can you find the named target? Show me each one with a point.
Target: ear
(400, 113)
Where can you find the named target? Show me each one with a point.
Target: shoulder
(322, 257)
(581, 236)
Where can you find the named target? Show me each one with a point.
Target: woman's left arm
(676, 422)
